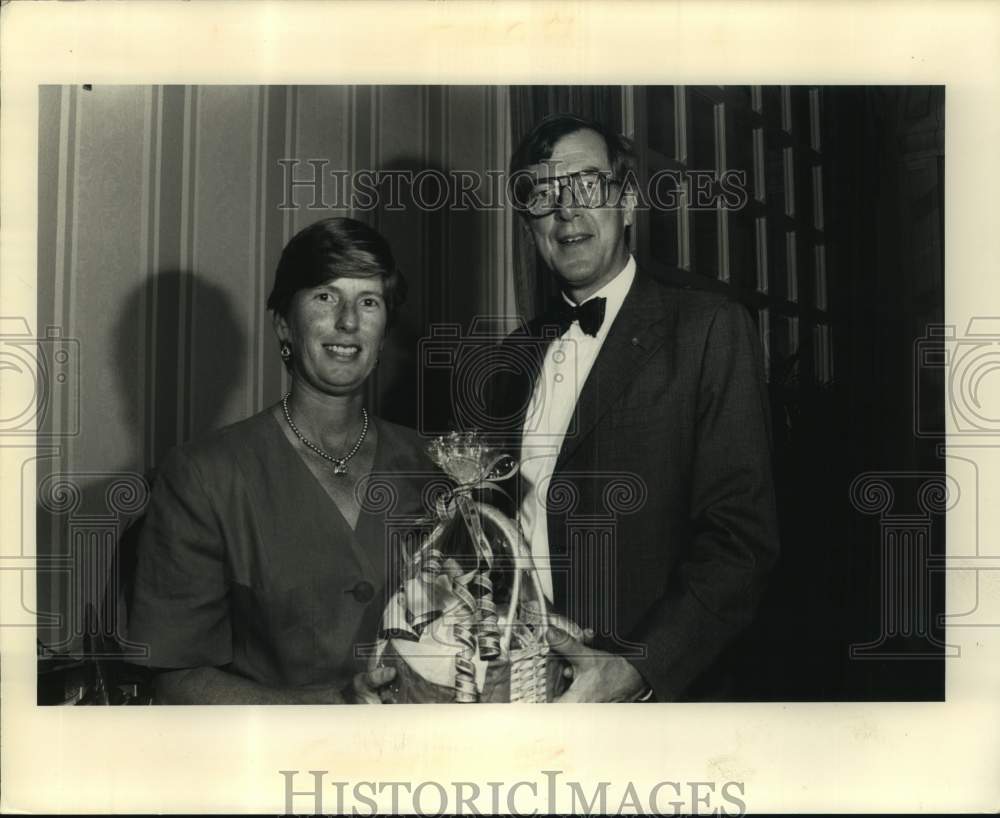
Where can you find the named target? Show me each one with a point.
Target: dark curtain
(884, 217)
(529, 104)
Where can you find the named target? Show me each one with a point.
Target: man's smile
(573, 239)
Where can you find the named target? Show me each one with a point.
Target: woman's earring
(286, 352)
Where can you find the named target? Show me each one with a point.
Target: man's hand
(370, 687)
(597, 676)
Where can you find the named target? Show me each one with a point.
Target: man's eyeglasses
(587, 189)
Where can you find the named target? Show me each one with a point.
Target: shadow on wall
(194, 364)
(443, 252)
(178, 357)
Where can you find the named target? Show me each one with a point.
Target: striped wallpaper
(159, 230)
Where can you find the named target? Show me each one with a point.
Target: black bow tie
(590, 314)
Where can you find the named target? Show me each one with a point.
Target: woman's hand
(370, 687)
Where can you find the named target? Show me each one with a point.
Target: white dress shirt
(567, 364)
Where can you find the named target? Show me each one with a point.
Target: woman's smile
(345, 352)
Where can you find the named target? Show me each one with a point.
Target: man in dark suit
(645, 406)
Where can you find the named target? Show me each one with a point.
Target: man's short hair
(538, 145)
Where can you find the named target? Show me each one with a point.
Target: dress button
(363, 592)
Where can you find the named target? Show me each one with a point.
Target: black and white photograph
(400, 392)
(491, 393)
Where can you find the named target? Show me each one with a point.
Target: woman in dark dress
(260, 576)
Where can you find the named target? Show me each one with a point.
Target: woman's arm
(180, 601)
(181, 607)
(209, 685)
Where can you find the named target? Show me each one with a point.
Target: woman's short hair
(336, 248)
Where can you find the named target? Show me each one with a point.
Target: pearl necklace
(339, 463)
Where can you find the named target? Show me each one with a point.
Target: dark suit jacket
(662, 525)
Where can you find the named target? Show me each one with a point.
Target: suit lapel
(637, 332)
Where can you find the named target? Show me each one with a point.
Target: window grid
(764, 328)
(820, 251)
(721, 214)
(760, 223)
(791, 275)
(822, 353)
(772, 252)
